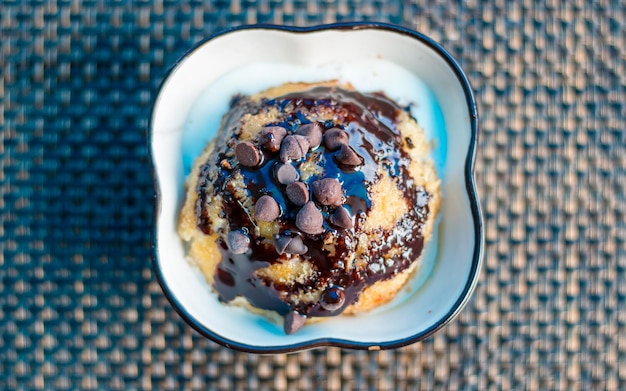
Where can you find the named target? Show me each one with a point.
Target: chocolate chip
(281, 242)
(247, 154)
(327, 191)
(286, 174)
(348, 157)
(296, 246)
(309, 219)
(333, 298)
(341, 218)
(312, 132)
(334, 138)
(293, 147)
(271, 137)
(237, 242)
(267, 209)
(289, 244)
(293, 322)
(298, 193)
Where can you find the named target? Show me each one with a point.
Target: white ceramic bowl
(410, 68)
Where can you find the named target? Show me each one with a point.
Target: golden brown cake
(313, 200)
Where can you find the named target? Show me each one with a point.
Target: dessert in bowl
(305, 205)
(313, 200)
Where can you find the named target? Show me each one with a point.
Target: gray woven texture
(79, 304)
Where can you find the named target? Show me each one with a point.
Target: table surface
(79, 303)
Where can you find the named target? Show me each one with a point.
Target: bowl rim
(477, 256)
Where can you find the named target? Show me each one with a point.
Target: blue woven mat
(79, 305)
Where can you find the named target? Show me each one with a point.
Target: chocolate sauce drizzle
(371, 122)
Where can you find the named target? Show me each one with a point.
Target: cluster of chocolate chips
(332, 299)
(326, 192)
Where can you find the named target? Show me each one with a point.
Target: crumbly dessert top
(295, 178)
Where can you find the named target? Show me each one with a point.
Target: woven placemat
(79, 304)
